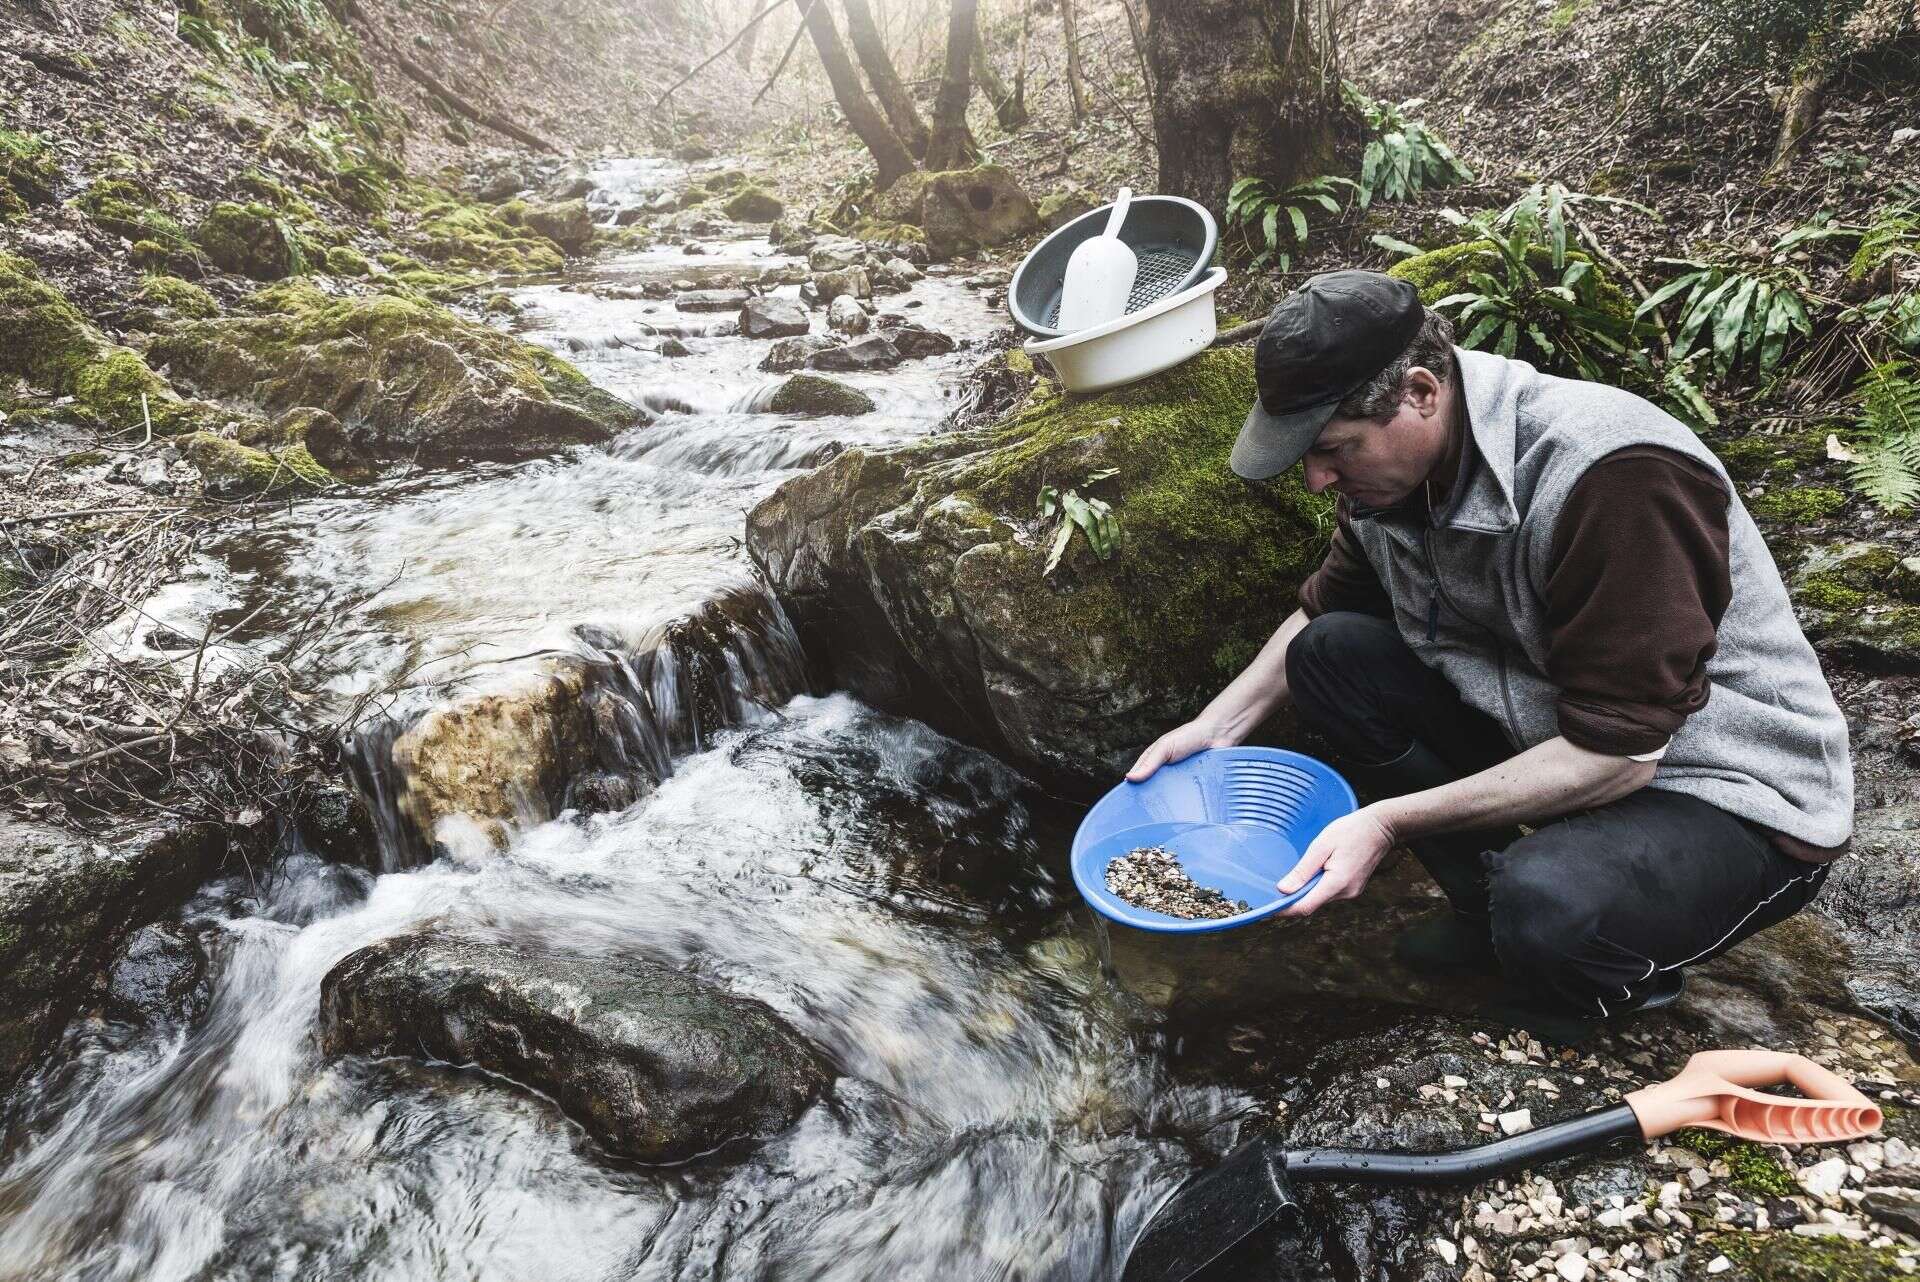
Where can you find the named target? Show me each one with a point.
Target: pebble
(1151, 877)
(1446, 1250)
(1719, 1264)
(1823, 1179)
(1520, 1119)
(1571, 1267)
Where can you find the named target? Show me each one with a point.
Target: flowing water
(1002, 1110)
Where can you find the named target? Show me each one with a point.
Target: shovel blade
(1212, 1212)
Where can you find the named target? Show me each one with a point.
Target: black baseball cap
(1318, 347)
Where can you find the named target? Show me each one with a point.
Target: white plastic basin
(1136, 345)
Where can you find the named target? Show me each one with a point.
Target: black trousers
(1588, 909)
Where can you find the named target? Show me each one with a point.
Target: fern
(1274, 225)
(1886, 467)
(1403, 156)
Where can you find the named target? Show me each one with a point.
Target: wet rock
(845, 315)
(495, 757)
(406, 379)
(794, 353)
(570, 186)
(162, 975)
(773, 318)
(566, 223)
(335, 823)
(629, 215)
(917, 341)
(603, 792)
(231, 470)
(835, 253)
(671, 346)
(655, 1064)
(67, 905)
(852, 281)
(896, 275)
(712, 300)
(1069, 674)
(874, 352)
(692, 150)
(808, 394)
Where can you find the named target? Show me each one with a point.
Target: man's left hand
(1347, 850)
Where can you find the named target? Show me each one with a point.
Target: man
(1545, 605)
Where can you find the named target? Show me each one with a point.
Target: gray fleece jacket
(1770, 745)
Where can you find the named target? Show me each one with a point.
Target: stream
(1002, 1109)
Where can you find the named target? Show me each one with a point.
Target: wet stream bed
(895, 897)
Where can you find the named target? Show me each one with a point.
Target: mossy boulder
(406, 378)
(961, 210)
(250, 240)
(566, 223)
(345, 260)
(1059, 208)
(753, 205)
(47, 342)
(471, 236)
(1440, 272)
(128, 209)
(918, 573)
(28, 175)
(232, 470)
(809, 394)
(182, 298)
(1860, 603)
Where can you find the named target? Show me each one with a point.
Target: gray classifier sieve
(1172, 237)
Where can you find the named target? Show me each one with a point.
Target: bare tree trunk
(1020, 70)
(952, 145)
(890, 155)
(1009, 111)
(743, 52)
(871, 49)
(1242, 88)
(1076, 86)
(1805, 99)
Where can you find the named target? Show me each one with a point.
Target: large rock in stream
(67, 905)
(655, 1064)
(404, 378)
(919, 572)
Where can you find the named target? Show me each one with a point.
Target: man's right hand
(1178, 744)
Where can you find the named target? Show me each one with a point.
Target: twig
(717, 53)
(41, 517)
(792, 44)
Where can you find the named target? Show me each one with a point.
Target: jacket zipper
(1433, 627)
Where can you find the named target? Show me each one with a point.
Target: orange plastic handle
(1714, 1091)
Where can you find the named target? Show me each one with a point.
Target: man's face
(1377, 463)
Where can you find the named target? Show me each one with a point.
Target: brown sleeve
(1638, 584)
(1345, 580)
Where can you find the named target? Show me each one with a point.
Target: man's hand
(1347, 850)
(1178, 744)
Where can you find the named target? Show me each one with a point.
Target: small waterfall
(601, 732)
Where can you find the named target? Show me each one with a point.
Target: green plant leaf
(1299, 223)
(1394, 244)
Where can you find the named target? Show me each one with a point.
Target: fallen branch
(491, 120)
(792, 44)
(1240, 333)
(717, 53)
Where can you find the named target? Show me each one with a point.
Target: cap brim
(1269, 444)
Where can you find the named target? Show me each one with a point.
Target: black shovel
(1252, 1186)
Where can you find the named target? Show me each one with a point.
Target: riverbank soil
(532, 646)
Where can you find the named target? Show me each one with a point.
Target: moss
(1829, 592)
(1759, 456)
(129, 210)
(877, 232)
(472, 236)
(344, 260)
(233, 470)
(181, 297)
(251, 240)
(43, 337)
(1443, 271)
(754, 205)
(83, 458)
(1785, 1257)
(1754, 1169)
(1562, 15)
(811, 394)
(1800, 504)
(1207, 564)
(28, 175)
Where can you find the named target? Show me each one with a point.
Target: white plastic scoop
(1099, 275)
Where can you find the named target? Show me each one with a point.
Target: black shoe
(1561, 1027)
(1447, 941)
